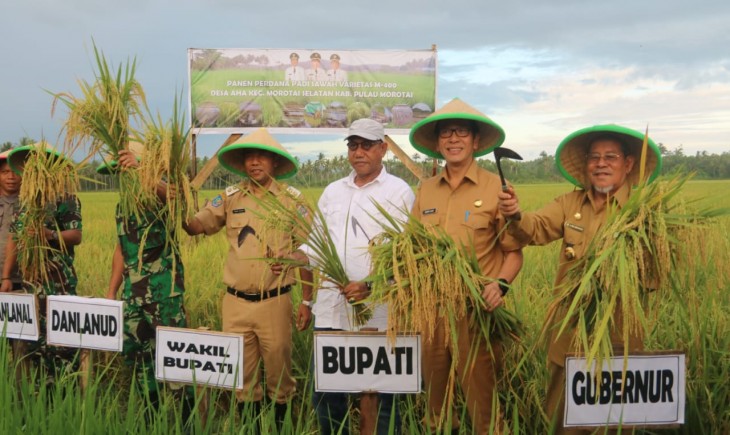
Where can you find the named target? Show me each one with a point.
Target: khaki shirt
(574, 218)
(468, 214)
(8, 206)
(235, 209)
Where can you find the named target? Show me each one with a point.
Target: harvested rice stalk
(307, 225)
(103, 115)
(635, 251)
(47, 177)
(166, 159)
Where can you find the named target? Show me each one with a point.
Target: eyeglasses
(365, 145)
(460, 132)
(610, 158)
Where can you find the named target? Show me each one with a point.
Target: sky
(539, 69)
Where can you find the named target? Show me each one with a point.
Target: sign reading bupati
(89, 323)
(651, 391)
(18, 316)
(200, 357)
(352, 362)
(235, 90)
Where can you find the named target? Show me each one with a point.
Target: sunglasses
(365, 145)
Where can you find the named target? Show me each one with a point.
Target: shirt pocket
(238, 239)
(573, 241)
(477, 230)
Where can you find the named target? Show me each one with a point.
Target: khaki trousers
(476, 374)
(266, 327)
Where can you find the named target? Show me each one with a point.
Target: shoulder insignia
(230, 190)
(293, 191)
(217, 201)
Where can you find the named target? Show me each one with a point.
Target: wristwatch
(307, 303)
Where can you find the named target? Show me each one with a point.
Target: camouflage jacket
(153, 270)
(65, 214)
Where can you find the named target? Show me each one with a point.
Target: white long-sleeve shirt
(348, 210)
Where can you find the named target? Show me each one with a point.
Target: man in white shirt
(352, 220)
(335, 73)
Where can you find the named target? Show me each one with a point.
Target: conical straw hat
(110, 161)
(231, 157)
(425, 138)
(17, 157)
(571, 153)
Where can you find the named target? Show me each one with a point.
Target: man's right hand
(508, 203)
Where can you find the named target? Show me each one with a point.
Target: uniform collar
(619, 198)
(247, 187)
(9, 199)
(472, 173)
(350, 179)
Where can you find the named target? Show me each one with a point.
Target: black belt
(258, 297)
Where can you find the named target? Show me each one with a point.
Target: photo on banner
(308, 90)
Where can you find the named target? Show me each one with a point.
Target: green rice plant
(632, 253)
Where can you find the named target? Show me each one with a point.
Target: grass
(694, 318)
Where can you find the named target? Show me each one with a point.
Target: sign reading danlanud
(356, 362)
(18, 316)
(200, 357)
(89, 323)
(651, 391)
(308, 90)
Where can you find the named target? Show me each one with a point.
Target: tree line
(321, 171)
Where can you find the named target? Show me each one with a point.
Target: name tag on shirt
(429, 211)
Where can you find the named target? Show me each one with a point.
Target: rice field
(695, 318)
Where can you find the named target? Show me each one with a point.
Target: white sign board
(650, 392)
(18, 316)
(199, 357)
(351, 362)
(89, 323)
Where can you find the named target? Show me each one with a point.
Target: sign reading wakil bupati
(234, 90)
(18, 316)
(89, 323)
(355, 362)
(651, 391)
(200, 357)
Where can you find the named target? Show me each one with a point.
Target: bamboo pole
(403, 157)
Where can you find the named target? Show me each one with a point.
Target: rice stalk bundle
(637, 250)
(47, 178)
(424, 275)
(307, 225)
(103, 116)
(166, 159)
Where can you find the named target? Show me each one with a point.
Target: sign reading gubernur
(18, 316)
(651, 391)
(200, 357)
(89, 323)
(349, 362)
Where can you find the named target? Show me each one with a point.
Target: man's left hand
(355, 291)
(492, 296)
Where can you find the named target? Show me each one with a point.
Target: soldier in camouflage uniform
(153, 288)
(63, 232)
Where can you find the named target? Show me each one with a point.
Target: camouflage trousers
(140, 324)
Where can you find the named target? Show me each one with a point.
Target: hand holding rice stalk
(103, 115)
(635, 250)
(423, 275)
(47, 178)
(307, 225)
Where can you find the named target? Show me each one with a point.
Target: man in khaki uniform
(257, 303)
(462, 200)
(603, 162)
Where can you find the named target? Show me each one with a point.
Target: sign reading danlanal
(18, 316)
(651, 391)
